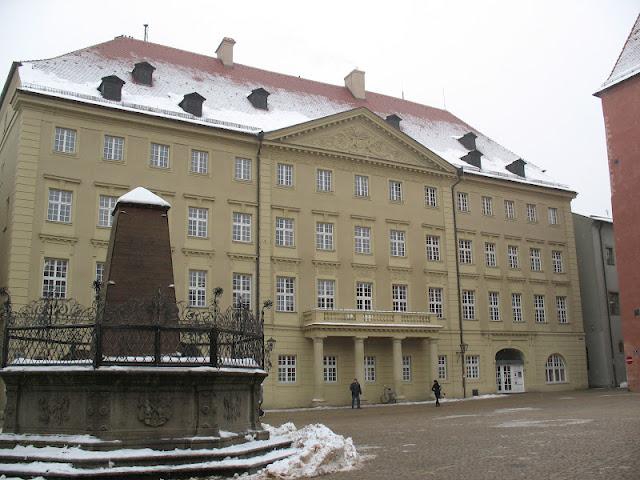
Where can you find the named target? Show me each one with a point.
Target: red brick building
(620, 95)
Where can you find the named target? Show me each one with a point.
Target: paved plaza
(582, 435)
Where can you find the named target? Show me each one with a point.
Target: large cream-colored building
(397, 243)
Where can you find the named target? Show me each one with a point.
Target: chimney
(355, 83)
(225, 51)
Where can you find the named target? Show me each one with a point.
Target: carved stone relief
(232, 405)
(98, 411)
(154, 410)
(53, 410)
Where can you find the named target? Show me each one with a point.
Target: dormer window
(143, 73)
(111, 88)
(258, 98)
(474, 157)
(393, 120)
(517, 167)
(468, 140)
(192, 103)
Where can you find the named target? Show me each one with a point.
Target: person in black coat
(436, 391)
(356, 391)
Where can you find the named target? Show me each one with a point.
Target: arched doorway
(510, 371)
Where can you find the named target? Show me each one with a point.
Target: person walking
(356, 391)
(436, 389)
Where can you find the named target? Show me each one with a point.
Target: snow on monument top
(144, 197)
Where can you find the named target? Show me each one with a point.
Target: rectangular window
(241, 227)
(465, 251)
(538, 306)
(199, 162)
(285, 175)
(324, 236)
(59, 208)
(396, 243)
(494, 306)
(159, 155)
(516, 307)
(197, 288)
(241, 290)
(286, 368)
(431, 196)
(509, 209)
(609, 256)
(100, 272)
(561, 309)
(361, 186)
(433, 248)
(243, 169)
(487, 206)
(406, 368)
(54, 278)
(369, 369)
(614, 303)
(468, 304)
(65, 140)
(435, 301)
(326, 294)
(399, 296)
(512, 254)
(330, 369)
(106, 204)
(395, 191)
(556, 258)
(463, 202)
(363, 239)
(553, 216)
(532, 213)
(284, 232)
(198, 222)
(472, 366)
(324, 180)
(285, 294)
(364, 296)
(113, 148)
(442, 367)
(536, 260)
(490, 254)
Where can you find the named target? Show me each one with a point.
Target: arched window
(555, 369)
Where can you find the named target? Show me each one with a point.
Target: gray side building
(600, 300)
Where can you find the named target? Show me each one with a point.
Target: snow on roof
(628, 62)
(601, 219)
(293, 100)
(143, 196)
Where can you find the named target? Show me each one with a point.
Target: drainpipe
(606, 297)
(463, 346)
(258, 182)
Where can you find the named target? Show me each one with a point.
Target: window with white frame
(197, 288)
(324, 180)
(396, 243)
(399, 297)
(330, 369)
(324, 236)
(433, 248)
(361, 186)
(556, 259)
(113, 148)
(59, 208)
(430, 196)
(362, 238)
(510, 209)
(516, 307)
(512, 256)
(241, 227)
(198, 222)
(465, 250)
(286, 368)
(65, 140)
(369, 369)
(532, 213)
(159, 155)
(561, 309)
(106, 204)
(487, 206)
(100, 272)
(285, 175)
(494, 306)
(395, 191)
(552, 213)
(243, 169)
(406, 368)
(326, 294)
(442, 367)
(285, 294)
(54, 278)
(284, 232)
(538, 308)
(490, 254)
(555, 369)
(199, 162)
(364, 295)
(536, 259)
(241, 290)
(435, 301)
(472, 366)
(463, 202)
(468, 304)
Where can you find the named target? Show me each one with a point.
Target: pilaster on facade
(265, 234)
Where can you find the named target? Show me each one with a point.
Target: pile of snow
(624, 385)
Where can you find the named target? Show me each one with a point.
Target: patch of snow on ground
(624, 385)
(560, 422)
(514, 410)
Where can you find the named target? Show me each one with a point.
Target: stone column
(397, 367)
(359, 363)
(318, 371)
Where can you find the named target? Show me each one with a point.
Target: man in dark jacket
(436, 391)
(356, 391)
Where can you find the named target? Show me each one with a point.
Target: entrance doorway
(510, 371)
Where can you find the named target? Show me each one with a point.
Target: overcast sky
(522, 72)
